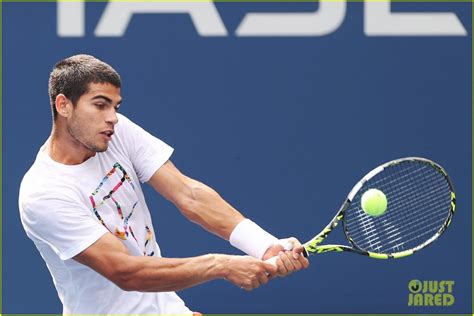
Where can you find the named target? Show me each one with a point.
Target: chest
(111, 191)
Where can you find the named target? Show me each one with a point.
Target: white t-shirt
(66, 208)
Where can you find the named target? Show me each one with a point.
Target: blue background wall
(281, 127)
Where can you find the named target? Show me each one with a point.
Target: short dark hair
(72, 76)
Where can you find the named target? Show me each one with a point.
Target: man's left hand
(288, 260)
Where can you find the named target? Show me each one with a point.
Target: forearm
(151, 274)
(109, 257)
(206, 207)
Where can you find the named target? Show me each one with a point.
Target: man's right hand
(247, 272)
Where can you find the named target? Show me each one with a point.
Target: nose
(112, 117)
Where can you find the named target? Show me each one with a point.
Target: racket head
(421, 203)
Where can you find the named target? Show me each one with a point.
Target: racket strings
(419, 199)
(413, 227)
(374, 240)
(361, 216)
(367, 220)
(420, 233)
(371, 233)
(409, 220)
(434, 205)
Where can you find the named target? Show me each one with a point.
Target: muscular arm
(109, 257)
(196, 201)
(204, 206)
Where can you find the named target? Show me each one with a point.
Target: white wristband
(251, 239)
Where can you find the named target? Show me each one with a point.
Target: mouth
(108, 134)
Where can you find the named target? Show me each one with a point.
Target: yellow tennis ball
(374, 202)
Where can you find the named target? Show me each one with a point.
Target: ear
(63, 105)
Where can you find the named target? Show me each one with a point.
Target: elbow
(127, 285)
(196, 194)
(125, 277)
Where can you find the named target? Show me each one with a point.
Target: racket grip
(305, 253)
(273, 260)
(287, 246)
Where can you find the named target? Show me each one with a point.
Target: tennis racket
(421, 203)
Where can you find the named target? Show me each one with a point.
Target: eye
(100, 105)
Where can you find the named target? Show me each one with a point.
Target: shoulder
(125, 123)
(37, 193)
(40, 188)
(43, 206)
(129, 135)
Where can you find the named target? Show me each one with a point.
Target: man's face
(92, 120)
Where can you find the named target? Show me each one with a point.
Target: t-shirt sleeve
(64, 225)
(146, 152)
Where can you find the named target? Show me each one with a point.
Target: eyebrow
(106, 99)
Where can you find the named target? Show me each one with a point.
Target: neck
(63, 148)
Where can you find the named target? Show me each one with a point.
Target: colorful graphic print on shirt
(114, 202)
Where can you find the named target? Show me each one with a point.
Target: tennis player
(82, 205)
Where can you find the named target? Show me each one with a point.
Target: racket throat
(332, 248)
